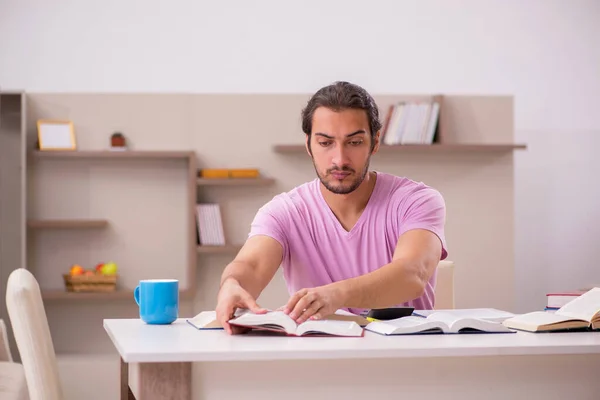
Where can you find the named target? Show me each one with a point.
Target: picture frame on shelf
(56, 135)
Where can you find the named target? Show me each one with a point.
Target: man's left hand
(314, 303)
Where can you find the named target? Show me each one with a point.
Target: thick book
(278, 321)
(436, 322)
(582, 313)
(207, 320)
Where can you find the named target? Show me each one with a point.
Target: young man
(352, 238)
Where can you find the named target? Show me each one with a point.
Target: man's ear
(307, 145)
(376, 141)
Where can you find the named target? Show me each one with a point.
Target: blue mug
(158, 300)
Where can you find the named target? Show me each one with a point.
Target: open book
(278, 321)
(207, 320)
(488, 314)
(436, 322)
(582, 313)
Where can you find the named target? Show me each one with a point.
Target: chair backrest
(32, 335)
(13, 385)
(5, 353)
(444, 287)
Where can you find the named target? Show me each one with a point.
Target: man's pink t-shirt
(317, 250)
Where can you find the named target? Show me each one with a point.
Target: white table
(263, 366)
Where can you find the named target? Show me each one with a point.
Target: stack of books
(209, 225)
(412, 122)
(582, 313)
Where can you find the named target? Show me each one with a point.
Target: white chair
(32, 335)
(5, 353)
(13, 385)
(444, 288)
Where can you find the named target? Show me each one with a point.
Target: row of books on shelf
(413, 122)
(209, 225)
(581, 313)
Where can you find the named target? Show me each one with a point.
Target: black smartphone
(390, 313)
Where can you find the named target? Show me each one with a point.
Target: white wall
(545, 53)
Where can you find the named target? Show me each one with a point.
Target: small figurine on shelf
(118, 142)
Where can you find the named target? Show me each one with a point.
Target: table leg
(158, 381)
(124, 379)
(126, 393)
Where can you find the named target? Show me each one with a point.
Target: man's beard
(344, 189)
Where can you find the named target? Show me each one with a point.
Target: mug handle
(136, 294)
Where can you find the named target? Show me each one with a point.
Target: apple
(98, 268)
(109, 268)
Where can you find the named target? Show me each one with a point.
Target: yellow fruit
(109, 268)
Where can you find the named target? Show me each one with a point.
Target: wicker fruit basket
(90, 283)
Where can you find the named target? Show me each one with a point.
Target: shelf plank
(64, 295)
(67, 223)
(112, 155)
(116, 295)
(226, 249)
(235, 181)
(423, 148)
(9, 92)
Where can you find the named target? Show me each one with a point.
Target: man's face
(341, 148)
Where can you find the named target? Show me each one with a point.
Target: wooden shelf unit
(64, 295)
(57, 294)
(67, 223)
(468, 121)
(235, 181)
(422, 148)
(110, 154)
(134, 155)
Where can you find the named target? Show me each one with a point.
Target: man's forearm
(243, 274)
(397, 282)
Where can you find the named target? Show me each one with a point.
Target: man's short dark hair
(341, 96)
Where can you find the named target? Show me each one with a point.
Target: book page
(341, 311)
(406, 325)
(534, 320)
(272, 320)
(583, 307)
(205, 320)
(454, 322)
(458, 324)
(331, 327)
(446, 318)
(488, 314)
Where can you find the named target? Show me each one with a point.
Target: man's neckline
(363, 214)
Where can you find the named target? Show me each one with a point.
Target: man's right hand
(231, 297)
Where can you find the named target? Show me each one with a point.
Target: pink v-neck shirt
(317, 249)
